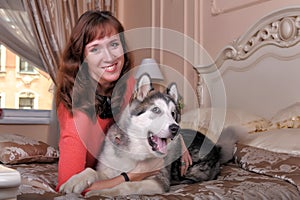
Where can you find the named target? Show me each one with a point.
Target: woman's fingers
(186, 161)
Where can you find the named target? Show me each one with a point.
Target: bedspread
(236, 181)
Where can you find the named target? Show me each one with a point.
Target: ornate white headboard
(260, 71)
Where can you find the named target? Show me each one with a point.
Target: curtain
(38, 30)
(16, 31)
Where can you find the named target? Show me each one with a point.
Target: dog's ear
(143, 86)
(173, 91)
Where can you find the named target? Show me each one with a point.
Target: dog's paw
(79, 182)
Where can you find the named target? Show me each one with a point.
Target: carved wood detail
(280, 28)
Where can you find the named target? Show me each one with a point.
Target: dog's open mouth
(158, 144)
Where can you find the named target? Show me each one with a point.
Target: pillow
(280, 165)
(252, 122)
(201, 119)
(276, 140)
(288, 117)
(16, 149)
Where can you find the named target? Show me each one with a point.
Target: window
(25, 67)
(26, 103)
(2, 100)
(2, 58)
(26, 100)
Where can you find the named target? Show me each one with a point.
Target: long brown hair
(75, 89)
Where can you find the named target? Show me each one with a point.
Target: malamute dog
(148, 128)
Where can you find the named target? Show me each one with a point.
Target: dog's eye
(156, 110)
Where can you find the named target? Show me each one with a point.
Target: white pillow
(288, 117)
(276, 140)
(211, 119)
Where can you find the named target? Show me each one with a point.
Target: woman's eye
(156, 110)
(95, 50)
(114, 44)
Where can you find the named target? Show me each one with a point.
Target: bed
(253, 85)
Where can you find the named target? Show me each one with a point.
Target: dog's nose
(174, 129)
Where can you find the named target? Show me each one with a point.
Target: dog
(207, 156)
(149, 128)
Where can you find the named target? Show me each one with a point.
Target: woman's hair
(75, 88)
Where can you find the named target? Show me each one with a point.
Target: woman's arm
(72, 159)
(143, 170)
(109, 183)
(80, 141)
(73, 154)
(186, 159)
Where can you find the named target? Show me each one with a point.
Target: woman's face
(105, 59)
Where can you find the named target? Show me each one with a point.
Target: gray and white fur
(148, 128)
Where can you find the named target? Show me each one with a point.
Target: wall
(135, 14)
(175, 40)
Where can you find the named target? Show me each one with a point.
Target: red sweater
(81, 139)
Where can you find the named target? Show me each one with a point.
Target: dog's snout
(174, 129)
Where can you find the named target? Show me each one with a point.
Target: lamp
(149, 66)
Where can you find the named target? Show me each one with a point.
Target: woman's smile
(110, 68)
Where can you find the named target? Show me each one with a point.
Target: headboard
(260, 71)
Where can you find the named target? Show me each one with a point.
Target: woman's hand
(186, 159)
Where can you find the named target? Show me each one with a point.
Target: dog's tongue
(161, 145)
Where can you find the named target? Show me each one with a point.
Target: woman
(93, 61)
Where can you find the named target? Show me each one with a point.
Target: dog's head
(152, 119)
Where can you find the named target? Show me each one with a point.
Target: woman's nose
(108, 55)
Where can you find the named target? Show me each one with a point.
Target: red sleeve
(81, 139)
(79, 144)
